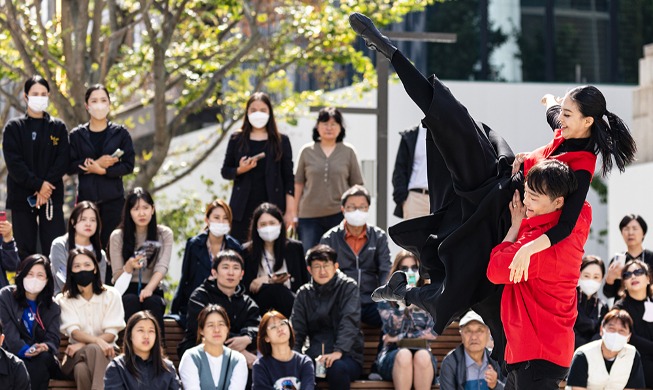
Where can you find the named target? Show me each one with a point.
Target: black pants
(41, 368)
(155, 304)
(275, 296)
(30, 224)
(535, 375)
(342, 372)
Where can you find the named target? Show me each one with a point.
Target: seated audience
(591, 308)
(327, 315)
(609, 363)
(223, 288)
(8, 252)
(638, 302)
(279, 367)
(362, 250)
(199, 253)
(406, 357)
(31, 320)
(274, 265)
(91, 317)
(212, 364)
(470, 366)
(142, 364)
(84, 227)
(633, 229)
(13, 374)
(143, 249)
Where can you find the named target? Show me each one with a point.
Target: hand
(41, 200)
(72, 349)
(491, 377)
(92, 166)
(279, 279)
(256, 284)
(519, 265)
(105, 347)
(387, 339)
(46, 189)
(614, 272)
(246, 164)
(519, 159)
(106, 161)
(238, 343)
(329, 358)
(6, 231)
(38, 349)
(517, 210)
(146, 292)
(134, 264)
(289, 219)
(250, 358)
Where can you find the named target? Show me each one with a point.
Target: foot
(364, 27)
(394, 290)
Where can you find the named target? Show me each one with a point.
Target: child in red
(538, 313)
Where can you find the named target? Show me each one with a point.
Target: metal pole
(382, 142)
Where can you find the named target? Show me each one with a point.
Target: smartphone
(31, 349)
(31, 200)
(280, 273)
(3, 216)
(258, 156)
(118, 153)
(620, 258)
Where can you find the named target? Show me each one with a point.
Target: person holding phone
(274, 264)
(9, 259)
(101, 153)
(36, 151)
(259, 161)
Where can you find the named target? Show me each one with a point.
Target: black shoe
(394, 290)
(364, 27)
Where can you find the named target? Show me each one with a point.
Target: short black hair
(227, 255)
(633, 217)
(356, 190)
(552, 178)
(321, 252)
(592, 259)
(36, 79)
(324, 115)
(93, 88)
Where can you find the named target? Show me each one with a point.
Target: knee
(422, 360)
(93, 349)
(81, 370)
(404, 359)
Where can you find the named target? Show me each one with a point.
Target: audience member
(31, 320)
(608, 363)
(91, 317)
(274, 265)
(279, 367)
(327, 167)
(591, 308)
(406, 357)
(13, 374)
(223, 288)
(142, 364)
(9, 259)
(409, 179)
(470, 366)
(199, 253)
(326, 315)
(638, 302)
(212, 364)
(84, 227)
(362, 250)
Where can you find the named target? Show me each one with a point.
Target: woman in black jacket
(36, 153)
(31, 320)
(101, 153)
(591, 308)
(259, 161)
(274, 265)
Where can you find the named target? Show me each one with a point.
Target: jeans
(342, 372)
(310, 230)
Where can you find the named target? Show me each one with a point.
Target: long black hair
(257, 247)
(611, 139)
(45, 296)
(70, 290)
(128, 226)
(157, 354)
(273, 132)
(75, 215)
(36, 79)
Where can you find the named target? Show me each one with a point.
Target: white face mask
(38, 103)
(269, 233)
(589, 286)
(99, 111)
(356, 218)
(258, 119)
(219, 229)
(34, 285)
(614, 341)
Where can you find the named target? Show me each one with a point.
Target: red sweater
(539, 315)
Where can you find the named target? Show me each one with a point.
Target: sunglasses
(406, 269)
(638, 272)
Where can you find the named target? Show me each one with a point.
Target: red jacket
(539, 315)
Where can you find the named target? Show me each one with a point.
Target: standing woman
(142, 364)
(200, 252)
(84, 227)
(101, 153)
(326, 169)
(147, 268)
(91, 317)
(31, 319)
(36, 153)
(259, 161)
(591, 308)
(274, 265)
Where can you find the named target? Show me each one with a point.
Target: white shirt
(190, 375)
(418, 176)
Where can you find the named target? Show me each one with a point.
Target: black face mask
(83, 278)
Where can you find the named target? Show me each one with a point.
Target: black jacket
(242, 310)
(403, 168)
(590, 314)
(329, 314)
(195, 268)
(295, 262)
(13, 373)
(30, 162)
(118, 377)
(16, 335)
(279, 178)
(101, 187)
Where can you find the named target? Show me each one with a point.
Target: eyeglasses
(406, 269)
(638, 272)
(320, 267)
(350, 209)
(280, 323)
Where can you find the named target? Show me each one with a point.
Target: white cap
(469, 317)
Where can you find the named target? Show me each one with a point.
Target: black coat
(28, 164)
(295, 262)
(279, 178)
(13, 373)
(403, 168)
(101, 187)
(590, 314)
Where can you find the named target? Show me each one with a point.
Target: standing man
(409, 178)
